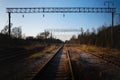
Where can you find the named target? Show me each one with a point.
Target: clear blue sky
(32, 24)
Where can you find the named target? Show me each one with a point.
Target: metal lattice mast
(118, 14)
(109, 4)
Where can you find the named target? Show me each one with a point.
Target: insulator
(43, 15)
(23, 15)
(63, 15)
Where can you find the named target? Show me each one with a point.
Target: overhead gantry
(59, 10)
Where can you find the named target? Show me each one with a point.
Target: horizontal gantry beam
(61, 10)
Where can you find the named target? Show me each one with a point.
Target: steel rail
(70, 65)
(105, 59)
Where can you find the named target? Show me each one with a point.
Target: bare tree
(43, 35)
(82, 31)
(6, 29)
(17, 32)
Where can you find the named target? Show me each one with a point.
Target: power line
(63, 30)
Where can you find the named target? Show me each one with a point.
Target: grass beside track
(96, 50)
(42, 53)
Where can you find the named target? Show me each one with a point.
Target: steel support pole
(119, 19)
(9, 24)
(112, 40)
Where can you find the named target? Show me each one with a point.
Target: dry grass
(49, 49)
(32, 46)
(36, 56)
(42, 53)
(96, 50)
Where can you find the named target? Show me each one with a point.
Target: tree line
(16, 32)
(103, 36)
(17, 38)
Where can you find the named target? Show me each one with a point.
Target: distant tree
(82, 31)
(29, 38)
(87, 32)
(80, 36)
(23, 36)
(73, 39)
(93, 37)
(43, 35)
(100, 37)
(6, 29)
(17, 32)
(47, 34)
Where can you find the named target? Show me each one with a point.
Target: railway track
(70, 65)
(106, 59)
(57, 67)
(89, 66)
(111, 60)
